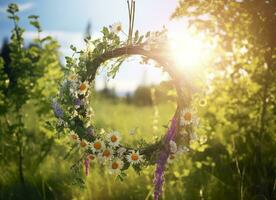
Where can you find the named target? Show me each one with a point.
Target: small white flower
(187, 117)
(60, 122)
(116, 27)
(116, 165)
(83, 87)
(74, 137)
(114, 138)
(134, 157)
(83, 144)
(106, 154)
(121, 151)
(98, 145)
(173, 147)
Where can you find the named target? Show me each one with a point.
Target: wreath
(75, 115)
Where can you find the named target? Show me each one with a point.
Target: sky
(66, 20)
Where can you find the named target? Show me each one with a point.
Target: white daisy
(173, 147)
(105, 155)
(134, 157)
(74, 137)
(83, 87)
(83, 143)
(98, 145)
(116, 165)
(186, 117)
(116, 27)
(114, 138)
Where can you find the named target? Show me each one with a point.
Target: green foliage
(28, 76)
(240, 116)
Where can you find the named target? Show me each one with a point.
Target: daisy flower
(83, 87)
(83, 143)
(105, 155)
(74, 137)
(116, 165)
(116, 27)
(114, 138)
(187, 117)
(173, 147)
(134, 157)
(98, 145)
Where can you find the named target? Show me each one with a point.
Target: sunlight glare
(189, 51)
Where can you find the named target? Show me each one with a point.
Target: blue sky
(66, 21)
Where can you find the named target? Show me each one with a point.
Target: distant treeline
(144, 95)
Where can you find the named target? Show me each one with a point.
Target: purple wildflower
(86, 164)
(78, 102)
(57, 109)
(161, 163)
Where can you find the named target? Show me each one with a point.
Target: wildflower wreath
(75, 115)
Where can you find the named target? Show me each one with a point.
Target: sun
(190, 51)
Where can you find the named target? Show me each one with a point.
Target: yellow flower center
(74, 137)
(188, 116)
(97, 145)
(115, 165)
(134, 156)
(106, 153)
(114, 138)
(119, 28)
(82, 87)
(83, 143)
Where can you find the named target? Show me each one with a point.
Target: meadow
(233, 156)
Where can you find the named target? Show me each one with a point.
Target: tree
(27, 79)
(241, 109)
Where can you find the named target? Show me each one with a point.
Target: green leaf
(12, 8)
(33, 17)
